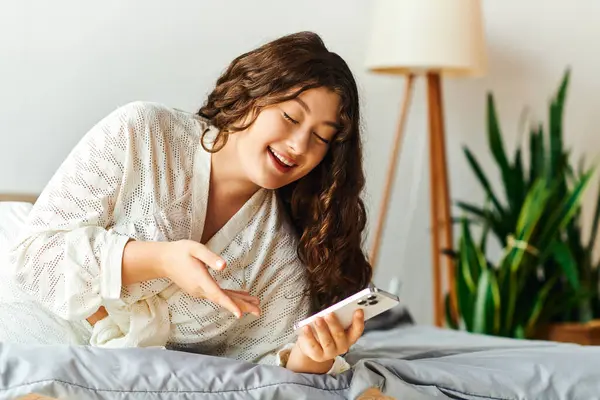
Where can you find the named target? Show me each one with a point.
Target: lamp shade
(416, 36)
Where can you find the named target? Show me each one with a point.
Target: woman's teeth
(282, 158)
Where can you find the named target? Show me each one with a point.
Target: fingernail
(220, 263)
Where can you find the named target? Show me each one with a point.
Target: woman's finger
(246, 306)
(210, 259)
(243, 295)
(358, 326)
(337, 333)
(309, 344)
(325, 338)
(214, 293)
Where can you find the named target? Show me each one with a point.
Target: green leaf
(581, 167)
(506, 292)
(494, 136)
(484, 235)
(541, 297)
(564, 257)
(527, 296)
(556, 122)
(562, 90)
(512, 292)
(472, 209)
(565, 211)
(529, 219)
(483, 180)
(575, 242)
(465, 285)
(519, 332)
(595, 223)
(471, 259)
(533, 155)
(487, 304)
(481, 318)
(518, 180)
(510, 176)
(495, 290)
(537, 155)
(465, 296)
(586, 313)
(533, 206)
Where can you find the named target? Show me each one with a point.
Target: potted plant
(510, 297)
(547, 273)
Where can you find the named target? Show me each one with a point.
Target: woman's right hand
(186, 263)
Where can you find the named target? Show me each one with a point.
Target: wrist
(143, 261)
(299, 362)
(159, 253)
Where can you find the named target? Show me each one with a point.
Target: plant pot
(572, 332)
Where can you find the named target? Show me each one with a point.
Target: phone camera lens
(373, 302)
(362, 302)
(371, 297)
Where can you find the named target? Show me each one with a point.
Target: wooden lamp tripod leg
(391, 171)
(440, 198)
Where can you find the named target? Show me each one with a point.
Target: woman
(213, 232)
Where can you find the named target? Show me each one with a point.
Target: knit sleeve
(67, 257)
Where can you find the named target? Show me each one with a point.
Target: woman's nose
(299, 141)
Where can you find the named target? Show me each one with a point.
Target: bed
(404, 361)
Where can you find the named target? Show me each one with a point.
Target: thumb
(358, 326)
(210, 259)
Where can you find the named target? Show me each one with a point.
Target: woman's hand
(316, 352)
(186, 263)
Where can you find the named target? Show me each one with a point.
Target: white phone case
(372, 301)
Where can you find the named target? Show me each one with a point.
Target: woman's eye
(292, 120)
(295, 122)
(322, 139)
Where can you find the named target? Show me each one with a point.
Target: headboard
(27, 197)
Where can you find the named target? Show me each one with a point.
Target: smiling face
(289, 139)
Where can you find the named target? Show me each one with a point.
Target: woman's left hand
(315, 352)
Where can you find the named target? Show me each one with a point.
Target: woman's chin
(269, 184)
(268, 181)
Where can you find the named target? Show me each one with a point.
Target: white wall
(64, 64)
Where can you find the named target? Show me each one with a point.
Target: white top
(142, 173)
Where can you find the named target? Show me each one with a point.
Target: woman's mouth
(281, 162)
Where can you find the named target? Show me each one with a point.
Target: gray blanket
(414, 362)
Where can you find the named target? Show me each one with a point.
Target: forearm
(142, 261)
(298, 362)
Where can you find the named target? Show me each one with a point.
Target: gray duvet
(414, 362)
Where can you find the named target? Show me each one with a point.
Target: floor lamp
(430, 38)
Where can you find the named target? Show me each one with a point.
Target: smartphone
(372, 301)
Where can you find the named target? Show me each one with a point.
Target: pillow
(12, 215)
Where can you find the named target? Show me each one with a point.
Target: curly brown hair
(325, 206)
